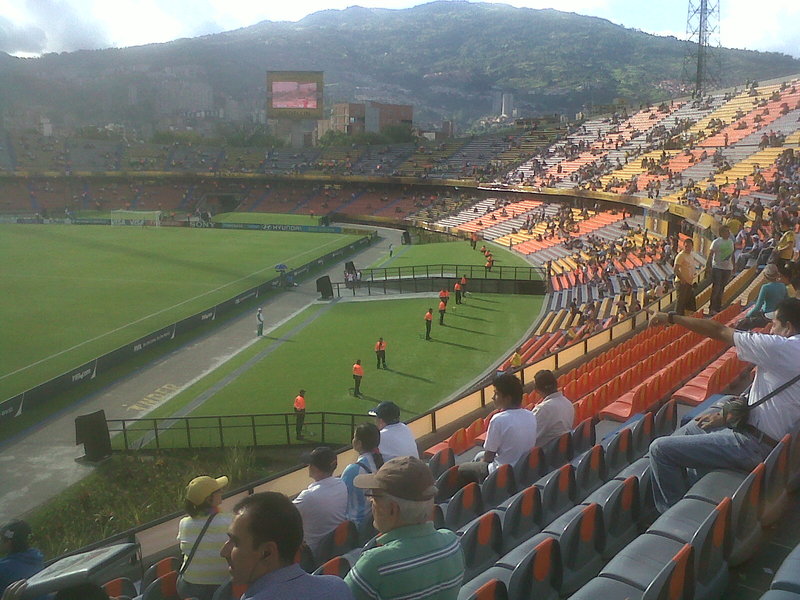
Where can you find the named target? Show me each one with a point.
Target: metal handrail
(219, 431)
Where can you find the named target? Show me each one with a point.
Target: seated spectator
(365, 441)
(201, 534)
(411, 559)
(710, 441)
(396, 437)
(512, 431)
(20, 561)
(555, 415)
(772, 293)
(323, 504)
(263, 540)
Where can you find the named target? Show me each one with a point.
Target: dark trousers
(299, 422)
(719, 279)
(357, 388)
(458, 297)
(441, 317)
(381, 356)
(686, 299)
(261, 329)
(427, 329)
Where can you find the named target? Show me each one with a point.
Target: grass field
(72, 293)
(449, 253)
(317, 349)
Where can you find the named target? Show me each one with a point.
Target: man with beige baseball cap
(402, 494)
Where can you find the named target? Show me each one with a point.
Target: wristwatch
(671, 317)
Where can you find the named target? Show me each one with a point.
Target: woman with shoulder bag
(201, 535)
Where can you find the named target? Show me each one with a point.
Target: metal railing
(446, 270)
(269, 429)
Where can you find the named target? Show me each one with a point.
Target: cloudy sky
(31, 27)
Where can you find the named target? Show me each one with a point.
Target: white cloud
(772, 28)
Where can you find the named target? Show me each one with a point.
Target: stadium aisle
(40, 462)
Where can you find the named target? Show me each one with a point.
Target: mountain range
(449, 59)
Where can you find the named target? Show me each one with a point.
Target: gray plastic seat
(788, 576)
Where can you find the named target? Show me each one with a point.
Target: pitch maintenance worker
(380, 352)
(428, 321)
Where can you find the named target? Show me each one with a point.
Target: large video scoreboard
(294, 94)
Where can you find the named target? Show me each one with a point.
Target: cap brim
(372, 413)
(366, 482)
(222, 482)
(306, 458)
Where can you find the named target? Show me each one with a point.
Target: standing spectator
(358, 374)
(201, 535)
(511, 432)
(20, 561)
(428, 320)
(323, 504)
(380, 352)
(396, 437)
(442, 311)
(555, 415)
(708, 442)
(300, 412)
(263, 540)
(684, 278)
(721, 260)
(411, 558)
(259, 322)
(365, 441)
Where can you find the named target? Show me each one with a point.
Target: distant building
(370, 117)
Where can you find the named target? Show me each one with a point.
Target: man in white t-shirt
(721, 257)
(396, 437)
(323, 504)
(511, 432)
(555, 415)
(707, 442)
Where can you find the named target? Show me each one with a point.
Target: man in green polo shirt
(412, 559)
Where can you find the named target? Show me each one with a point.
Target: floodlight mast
(702, 29)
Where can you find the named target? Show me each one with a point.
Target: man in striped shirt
(411, 559)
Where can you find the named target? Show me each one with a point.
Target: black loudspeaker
(349, 267)
(406, 238)
(325, 288)
(92, 431)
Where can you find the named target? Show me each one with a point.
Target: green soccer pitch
(317, 348)
(71, 293)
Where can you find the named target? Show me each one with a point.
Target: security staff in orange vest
(442, 310)
(300, 411)
(380, 352)
(444, 296)
(428, 319)
(457, 290)
(463, 283)
(358, 373)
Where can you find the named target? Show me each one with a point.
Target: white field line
(219, 362)
(155, 314)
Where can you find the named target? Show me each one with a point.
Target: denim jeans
(719, 279)
(678, 461)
